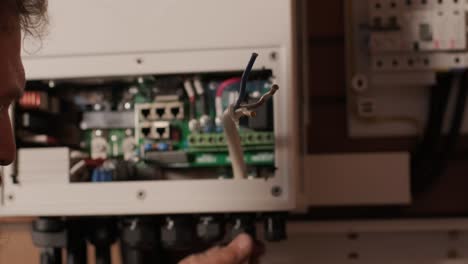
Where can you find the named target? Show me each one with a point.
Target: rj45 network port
(174, 110)
(161, 130)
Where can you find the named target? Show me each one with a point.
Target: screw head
(360, 83)
(276, 191)
(274, 55)
(141, 195)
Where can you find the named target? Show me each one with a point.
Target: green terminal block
(218, 140)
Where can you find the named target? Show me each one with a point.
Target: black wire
(425, 155)
(245, 78)
(438, 102)
(456, 124)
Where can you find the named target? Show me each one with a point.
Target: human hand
(239, 251)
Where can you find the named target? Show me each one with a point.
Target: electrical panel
(130, 123)
(396, 49)
(426, 26)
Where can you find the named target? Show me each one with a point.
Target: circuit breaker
(396, 49)
(122, 112)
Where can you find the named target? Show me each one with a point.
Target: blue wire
(245, 78)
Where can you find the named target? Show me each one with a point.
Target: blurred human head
(16, 17)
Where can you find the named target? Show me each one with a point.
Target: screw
(276, 191)
(273, 55)
(139, 61)
(11, 197)
(141, 195)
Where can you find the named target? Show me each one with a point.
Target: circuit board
(187, 132)
(170, 121)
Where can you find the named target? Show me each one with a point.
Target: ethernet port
(145, 131)
(161, 131)
(145, 113)
(160, 111)
(175, 111)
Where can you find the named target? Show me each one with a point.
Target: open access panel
(121, 113)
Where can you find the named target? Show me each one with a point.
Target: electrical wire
(225, 84)
(204, 107)
(189, 90)
(198, 86)
(426, 159)
(438, 101)
(262, 99)
(456, 123)
(230, 119)
(77, 167)
(219, 94)
(192, 98)
(76, 171)
(245, 78)
(457, 120)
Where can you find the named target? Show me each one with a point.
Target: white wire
(219, 106)
(198, 86)
(236, 154)
(189, 89)
(77, 167)
(230, 119)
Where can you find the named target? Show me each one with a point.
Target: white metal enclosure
(121, 38)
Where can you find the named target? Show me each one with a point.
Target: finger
(214, 255)
(194, 259)
(238, 251)
(241, 248)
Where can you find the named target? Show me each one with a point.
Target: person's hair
(32, 14)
